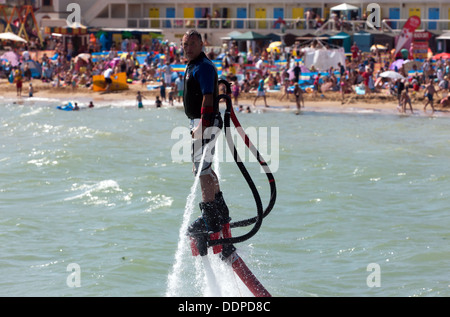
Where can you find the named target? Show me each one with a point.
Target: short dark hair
(193, 32)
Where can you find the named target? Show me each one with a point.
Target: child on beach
(171, 94)
(342, 87)
(18, 79)
(298, 93)
(316, 85)
(30, 90)
(139, 99)
(235, 91)
(405, 99)
(286, 89)
(158, 102)
(179, 85)
(261, 92)
(162, 91)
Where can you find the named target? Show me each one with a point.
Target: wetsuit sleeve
(205, 75)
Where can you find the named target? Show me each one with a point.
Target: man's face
(192, 47)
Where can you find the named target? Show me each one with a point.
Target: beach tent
(384, 39)
(75, 28)
(344, 7)
(289, 39)
(308, 39)
(323, 59)
(230, 35)
(33, 66)
(364, 40)
(342, 39)
(250, 36)
(273, 37)
(443, 42)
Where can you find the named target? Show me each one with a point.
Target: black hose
(257, 220)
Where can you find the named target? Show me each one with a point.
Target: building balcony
(298, 26)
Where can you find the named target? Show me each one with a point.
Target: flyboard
(223, 242)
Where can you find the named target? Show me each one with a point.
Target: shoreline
(328, 102)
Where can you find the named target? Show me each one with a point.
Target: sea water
(92, 203)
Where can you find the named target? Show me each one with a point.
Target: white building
(217, 18)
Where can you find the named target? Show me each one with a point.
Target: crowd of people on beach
(249, 72)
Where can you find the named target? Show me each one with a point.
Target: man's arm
(207, 118)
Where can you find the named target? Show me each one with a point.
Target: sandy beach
(328, 102)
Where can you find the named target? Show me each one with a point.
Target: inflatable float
(119, 82)
(67, 107)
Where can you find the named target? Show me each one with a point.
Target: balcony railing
(274, 25)
(218, 23)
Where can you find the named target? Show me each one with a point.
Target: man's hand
(197, 133)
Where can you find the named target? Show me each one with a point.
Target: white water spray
(201, 276)
(175, 281)
(180, 274)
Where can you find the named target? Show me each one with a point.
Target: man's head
(192, 44)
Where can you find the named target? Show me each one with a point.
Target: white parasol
(392, 75)
(344, 7)
(11, 37)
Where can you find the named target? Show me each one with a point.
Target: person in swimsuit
(429, 92)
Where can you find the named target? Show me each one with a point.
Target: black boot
(214, 215)
(222, 206)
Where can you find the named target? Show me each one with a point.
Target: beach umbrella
(443, 55)
(8, 36)
(274, 46)
(397, 64)
(11, 57)
(378, 46)
(392, 75)
(84, 56)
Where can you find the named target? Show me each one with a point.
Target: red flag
(407, 33)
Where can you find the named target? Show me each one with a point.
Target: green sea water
(362, 202)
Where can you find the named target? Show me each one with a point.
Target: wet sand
(327, 102)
